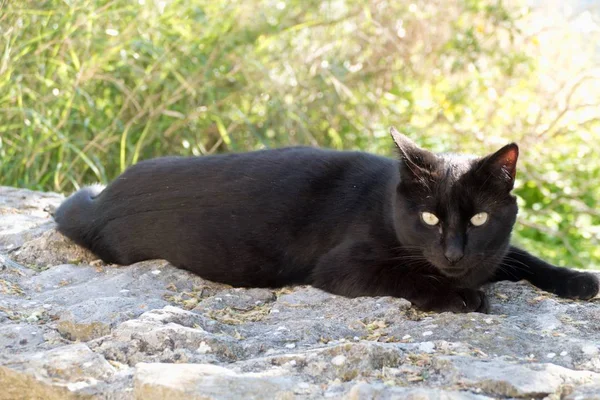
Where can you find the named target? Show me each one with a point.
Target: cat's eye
(479, 219)
(429, 218)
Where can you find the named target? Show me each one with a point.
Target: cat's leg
(519, 264)
(362, 269)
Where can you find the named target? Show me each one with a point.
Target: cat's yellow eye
(479, 219)
(429, 218)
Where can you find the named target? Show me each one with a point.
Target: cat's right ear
(416, 163)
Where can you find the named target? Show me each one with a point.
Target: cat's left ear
(502, 164)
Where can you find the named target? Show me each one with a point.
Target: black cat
(429, 228)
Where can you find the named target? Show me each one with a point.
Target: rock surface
(72, 327)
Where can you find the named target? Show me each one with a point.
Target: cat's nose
(453, 255)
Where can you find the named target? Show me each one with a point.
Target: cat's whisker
(502, 268)
(400, 258)
(412, 263)
(522, 265)
(434, 277)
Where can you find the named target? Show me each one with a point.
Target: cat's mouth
(453, 272)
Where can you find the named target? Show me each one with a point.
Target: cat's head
(456, 211)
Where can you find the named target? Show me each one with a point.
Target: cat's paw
(473, 300)
(460, 301)
(580, 285)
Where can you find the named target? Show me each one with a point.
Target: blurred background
(89, 87)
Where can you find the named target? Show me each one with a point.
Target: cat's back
(257, 173)
(271, 161)
(255, 189)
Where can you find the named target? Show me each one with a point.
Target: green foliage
(89, 87)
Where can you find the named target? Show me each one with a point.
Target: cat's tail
(75, 215)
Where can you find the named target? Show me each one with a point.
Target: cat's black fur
(349, 223)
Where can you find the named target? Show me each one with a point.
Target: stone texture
(24, 216)
(584, 392)
(381, 392)
(205, 381)
(507, 379)
(68, 371)
(72, 327)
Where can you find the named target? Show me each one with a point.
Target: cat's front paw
(472, 300)
(460, 301)
(580, 285)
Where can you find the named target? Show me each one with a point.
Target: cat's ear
(502, 164)
(416, 163)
